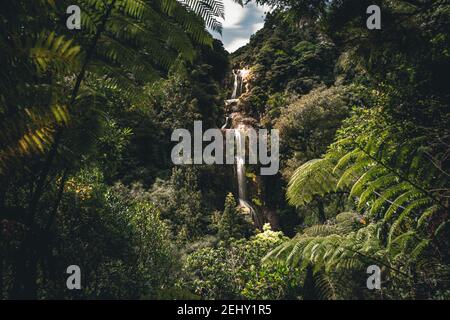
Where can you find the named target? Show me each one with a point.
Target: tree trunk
(321, 211)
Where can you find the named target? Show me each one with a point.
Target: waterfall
(238, 85)
(241, 82)
(240, 171)
(235, 85)
(239, 77)
(226, 124)
(240, 164)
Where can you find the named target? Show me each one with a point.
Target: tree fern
(313, 178)
(379, 176)
(326, 286)
(392, 180)
(127, 46)
(320, 244)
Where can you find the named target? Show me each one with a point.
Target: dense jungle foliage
(86, 176)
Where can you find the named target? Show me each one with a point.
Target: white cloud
(234, 14)
(257, 26)
(236, 44)
(240, 23)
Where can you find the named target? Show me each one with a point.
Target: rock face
(231, 105)
(240, 119)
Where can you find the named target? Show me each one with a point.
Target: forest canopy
(86, 176)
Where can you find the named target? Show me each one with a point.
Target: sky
(240, 23)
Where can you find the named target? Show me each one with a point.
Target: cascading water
(240, 171)
(241, 81)
(237, 87)
(239, 77)
(240, 163)
(235, 84)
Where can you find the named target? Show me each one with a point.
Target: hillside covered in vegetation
(87, 179)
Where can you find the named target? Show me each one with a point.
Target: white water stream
(240, 146)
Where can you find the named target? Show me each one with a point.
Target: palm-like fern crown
(391, 173)
(127, 43)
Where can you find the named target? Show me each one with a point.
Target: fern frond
(326, 286)
(313, 178)
(354, 171)
(346, 159)
(384, 181)
(209, 10)
(427, 215)
(369, 175)
(52, 52)
(387, 195)
(400, 201)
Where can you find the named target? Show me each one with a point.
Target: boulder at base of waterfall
(231, 102)
(244, 209)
